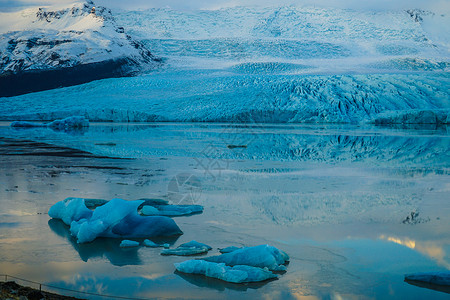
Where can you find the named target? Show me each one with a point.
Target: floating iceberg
(148, 243)
(128, 244)
(171, 210)
(229, 249)
(262, 256)
(70, 210)
(26, 124)
(440, 278)
(235, 274)
(190, 248)
(69, 123)
(117, 218)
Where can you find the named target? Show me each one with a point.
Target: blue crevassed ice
(262, 256)
(235, 274)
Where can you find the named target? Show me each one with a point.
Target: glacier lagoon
(355, 207)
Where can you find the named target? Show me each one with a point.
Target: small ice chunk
(190, 248)
(196, 244)
(128, 244)
(235, 274)
(93, 203)
(148, 210)
(70, 210)
(148, 243)
(170, 210)
(184, 251)
(154, 201)
(75, 122)
(229, 249)
(262, 256)
(440, 278)
(26, 124)
(166, 246)
(69, 123)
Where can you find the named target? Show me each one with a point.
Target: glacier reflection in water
(337, 198)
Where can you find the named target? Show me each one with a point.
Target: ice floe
(151, 244)
(128, 244)
(171, 210)
(229, 249)
(69, 123)
(191, 248)
(262, 256)
(440, 278)
(235, 274)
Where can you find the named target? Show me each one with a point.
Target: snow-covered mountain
(48, 47)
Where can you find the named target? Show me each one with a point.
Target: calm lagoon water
(338, 199)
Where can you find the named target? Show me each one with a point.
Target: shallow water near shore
(355, 207)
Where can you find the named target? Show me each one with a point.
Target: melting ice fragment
(26, 124)
(171, 210)
(148, 243)
(235, 274)
(440, 278)
(116, 218)
(190, 248)
(69, 123)
(74, 122)
(70, 210)
(128, 244)
(229, 249)
(262, 256)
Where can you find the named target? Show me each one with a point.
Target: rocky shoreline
(12, 290)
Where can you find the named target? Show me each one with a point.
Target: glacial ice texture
(283, 64)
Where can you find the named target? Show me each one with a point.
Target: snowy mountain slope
(328, 39)
(79, 39)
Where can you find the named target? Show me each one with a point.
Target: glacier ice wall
(278, 64)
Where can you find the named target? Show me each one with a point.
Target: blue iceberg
(235, 274)
(128, 244)
(262, 256)
(117, 218)
(70, 210)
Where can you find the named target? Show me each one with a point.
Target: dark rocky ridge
(22, 82)
(45, 57)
